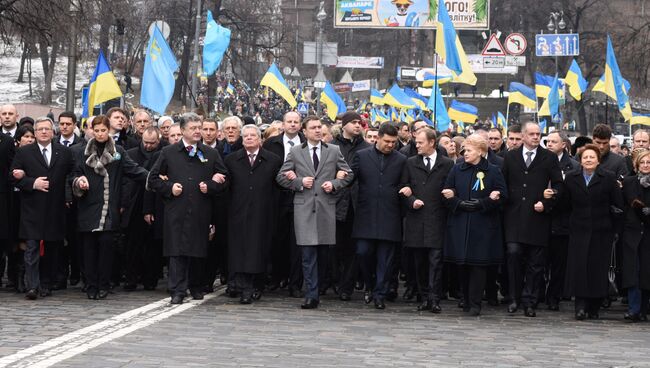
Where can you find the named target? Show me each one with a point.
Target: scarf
(644, 179)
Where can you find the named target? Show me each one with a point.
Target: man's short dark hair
(514, 128)
(69, 114)
(307, 119)
(388, 129)
(402, 124)
(189, 117)
(497, 130)
(115, 109)
(602, 131)
(430, 134)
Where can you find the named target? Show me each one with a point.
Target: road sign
(303, 108)
(493, 47)
(494, 62)
(515, 61)
(515, 44)
(566, 44)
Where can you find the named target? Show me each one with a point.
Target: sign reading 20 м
(417, 14)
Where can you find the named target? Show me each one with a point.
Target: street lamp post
(556, 23)
(195, 59)
(72, 58)
(320, 80)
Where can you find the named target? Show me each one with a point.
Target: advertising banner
(416, 14)
(360, 62)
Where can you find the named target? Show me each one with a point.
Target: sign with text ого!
(414, 14)
(360, 62)
(565, 44)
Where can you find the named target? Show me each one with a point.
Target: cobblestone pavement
(275, 332)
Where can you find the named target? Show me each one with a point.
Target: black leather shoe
(530, 312)
(408, 294)
(245, 300)
(426, 306)
(461, 304)
(231, 293)
(283, 284)
(102, 294)
(553, 307)
(74, 281)
(345, 297)
(257, 294)
(177, 299)
(91, 295)
(581, 315)
(493, 302)
(309, 304)
(436, 308)
(606, 303)
(379, 304)
(32, 294)
(475, 312)
(512, 308)
(367, 297)
(593, 315)
(358, 285)
(196, 295)
(45, 292)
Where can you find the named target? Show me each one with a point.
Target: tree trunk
(23, 57)
(43, 53)
(180, 91)
(46, 98)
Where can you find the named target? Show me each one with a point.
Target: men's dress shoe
(283, 284)
(634, 317)
(322, 292)
(345, 297)
(436, 308)
(74, 281)
(606, 303)
(530, 312)
(32, 294)
(102, 294)
(391, 295)
(553, 307)
(245, 300)
(177, 299)
(309, 304)
(474, 312)
(408, 294)
(208, 289)
(512, 308)
(196, 295)
(231, 293)
(593, 315)
(581, 315)
(84, 288)
(45, 292)
(91, 295)
(61, 285)
(367, 297)
(129, 287)
(359, 285)
(257, 294)
(379, 304)
(426, 306)
(461, 304)
(493, 302)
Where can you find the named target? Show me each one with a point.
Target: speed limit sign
(515, 44)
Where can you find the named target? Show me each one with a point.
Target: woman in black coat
(97, 182)
(595, 199)
(473, 191)
(635, 268)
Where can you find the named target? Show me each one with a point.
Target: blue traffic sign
(567, 44)
(303, 108)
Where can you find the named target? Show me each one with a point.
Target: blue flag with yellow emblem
(158, 77)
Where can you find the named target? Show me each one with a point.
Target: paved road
(139, 329)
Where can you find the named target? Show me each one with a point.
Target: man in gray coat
(311, 171)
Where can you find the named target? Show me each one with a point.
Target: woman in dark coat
(474, 190)
(97, 182)
(636, 238)
(595, 199)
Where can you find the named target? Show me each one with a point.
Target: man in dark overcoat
(424, 229)
(528, 171)
(252, 210)
(378, 219)
(7, 152)
(189, 166)
(41, 171)
(286, 269)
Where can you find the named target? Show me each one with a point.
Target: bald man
(8, 118)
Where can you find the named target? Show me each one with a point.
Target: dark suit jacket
(7, 152)
(42, 213)
(75, 140)
(276, 146)
(525, 188)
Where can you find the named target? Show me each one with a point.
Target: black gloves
(645, 211)
(472, 205)
(615, 210)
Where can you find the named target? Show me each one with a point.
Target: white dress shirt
(48, 154)
(432, 158)
(287, 145)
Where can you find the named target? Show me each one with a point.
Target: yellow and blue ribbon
(479, 181)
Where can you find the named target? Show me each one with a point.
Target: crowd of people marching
(306, 206)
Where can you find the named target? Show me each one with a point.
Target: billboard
(414, 14)
(360, 62)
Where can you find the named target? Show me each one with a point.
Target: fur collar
(99, 163)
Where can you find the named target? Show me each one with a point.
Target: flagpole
(435, 85)
(508, 114)
(189, 88)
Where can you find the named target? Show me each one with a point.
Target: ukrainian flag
(394, 116)
(103, 85)
(502, 122)
(641, 119)
(333, 101)
(460, 127)
(362, 106)
(396, 97)
(430, 79)
(464, 112)
(613, 83)
(437, 106)
(449, 48)
(551, 106)
(378, 116)
(543, 84)
(230, 89)
(299, 96)
(422, 117)
(577, 83)
(522, 94)
(419, 100)
(542, 125)
(376, 98)
(274, 80)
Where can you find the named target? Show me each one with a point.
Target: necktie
(315, 159)
(47, 163)
(291, 143)
(529, 158)
(428, 163)
(251, 158)
(116, 137)
(66, 143)
(189, 149)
